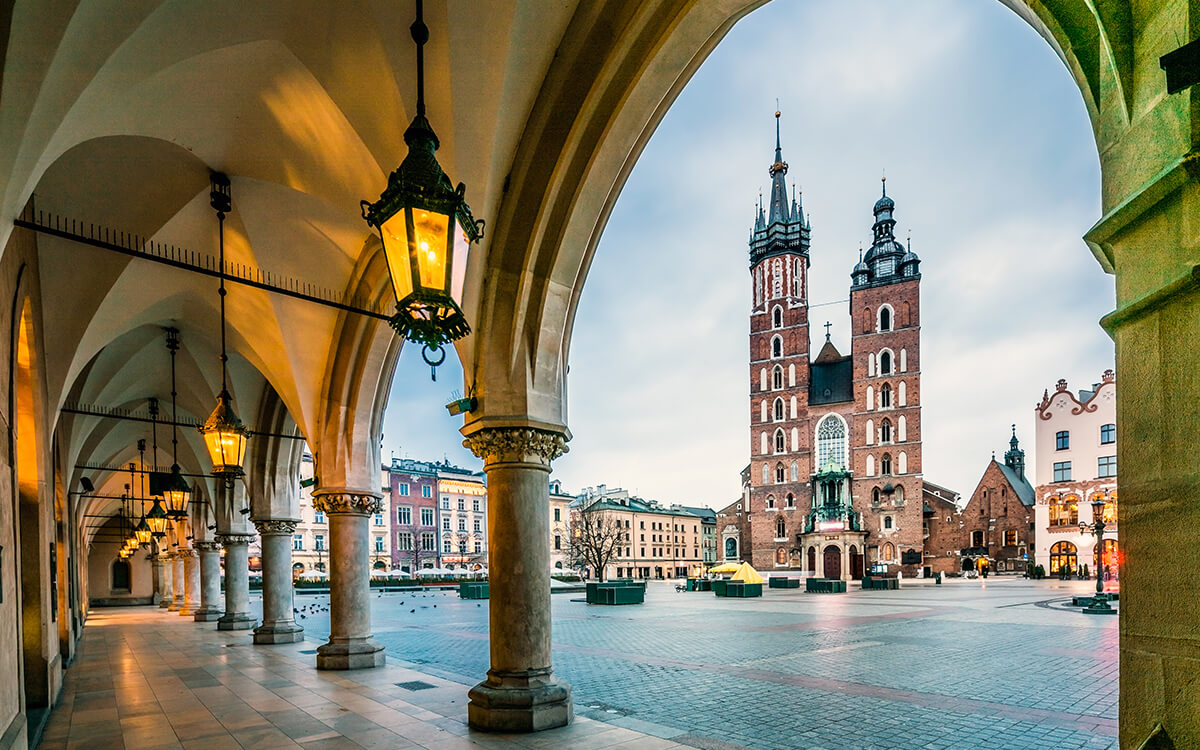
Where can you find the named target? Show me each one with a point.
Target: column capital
(185, 552)
(497, 445)
(213, 546)
(275, 526)
(347, 501)
(227, 540)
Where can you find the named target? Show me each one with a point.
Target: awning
(729, 567)
(747, 574)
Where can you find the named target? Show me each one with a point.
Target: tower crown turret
(783, 229)
(887, 261)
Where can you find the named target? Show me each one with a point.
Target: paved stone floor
(995, 665)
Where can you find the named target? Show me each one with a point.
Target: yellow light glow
(394, 233)
(431, 235)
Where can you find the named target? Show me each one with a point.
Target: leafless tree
(593, 537)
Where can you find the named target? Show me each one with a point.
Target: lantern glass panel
(394, 234)
(226, 447)
(430, 245)
(177, 500)
(458, 264)
(143, 535)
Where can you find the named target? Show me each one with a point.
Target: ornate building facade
(835, 480)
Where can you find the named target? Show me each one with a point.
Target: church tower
(779, 372)
(885, 309)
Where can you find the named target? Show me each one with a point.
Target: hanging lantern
(142, 532)
(156, 519)
(177, 492)
(225, 437)
(426, 228)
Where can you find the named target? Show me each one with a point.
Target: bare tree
(593, 537)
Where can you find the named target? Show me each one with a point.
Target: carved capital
(228, 540)
(516, 445)
(334, 500)
(207, 546)
(275, 527)
(185, 552)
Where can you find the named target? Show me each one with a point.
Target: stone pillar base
(350, 653)
(236, 622)
(173, 606)
(165, 604)
(284, 632)
(188, 611)
(207, 614)
(525, 702)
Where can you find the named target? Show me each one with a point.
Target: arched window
(730, 548)
(770, 501)
(885, 318)
(780, 474)
(870, 364)
(1064, 511)
(902, 397)
(793, 407)
(867, 318)
(902, 463)
(885, 432)
(777, 279)
(903, 360)
(1064, 555)
(870, 432)
(875, 496)
(885, 464)
(795, 440)
(777, 318)
(762, 379)
(780, 528)
(791, 499)
(795, 474)
(120, 577)
(887, 522)
(885, 396)
(777, 378)
(902, 429)
(870, 397)
(779, 412)
(762, 410)
(870, 465)
(780, 441)
(777, 346)
(766, 472)
(898, 495)
(763, 444)
(889, 552)
(792, 376)
(831, 443)
(885, 362)
(781, 556)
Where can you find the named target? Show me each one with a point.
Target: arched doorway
(856, 563)
(812, 560)
(833, 562)
(1111, 559)
(1064, 555)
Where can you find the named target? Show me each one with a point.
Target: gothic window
(779, 412)
(831, 442)
(885, 362)
(903, 360)
(781, 556)
(875, 496)
(902, 397)
(780, 528)
(796, 279)
(780, 474)
(902, 429)
(902, 463)
(885, 432)
(889, 552)
(120, 577)
(870, 432)
(898, 495)
(762, 379)
(770, 501)
(866, 324)
(777, 346)
(885, 318)
(791, 499)
(870, 397)
(870, 364)
(887, 522)
(795, 476)
(795, 441)
(792, 376)
(766, 472)
(885, 396)
(777, 318)
(763, 447)
(793, 407)
(762, 411)
(780, 441)
(870, 466)
(885, 464)
(777, 280)
(777, 378)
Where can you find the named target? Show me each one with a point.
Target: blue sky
(990, 159)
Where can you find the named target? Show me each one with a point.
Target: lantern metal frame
(426, 314)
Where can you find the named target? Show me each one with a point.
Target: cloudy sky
(990, 159)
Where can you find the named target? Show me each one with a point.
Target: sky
(990, 159)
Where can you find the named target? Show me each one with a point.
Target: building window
(885, 396)
(885, 363)
(885, 431)
(780, 442)
(780, 528)
(1064, 511)
(770, 501)
(1010, 538)
(479, 548)
(831, 443)
(766, 473)
(319, 542)
(1062, 471)
(475, 505)
(1107, 467)
(404, 541)
(379, 544)
(402, 489)
(779, 413)
(445, 503)
(378, 519)
(777, 318)
(446, 523)
(557, 542)
(558, 514)
(318, 517)
(462, 524)
(428, 542)
(780, 476)
(298, 541)
(887, 522)
(426, 491)
(777, 346)
(1063, 556)
(777, 378)
(875, 496)
(791, 501)
(426, 516)
(462, 503)
(404, 515)
(1108, 434)
(446, 547)
(885, 318)
(976, 538)
(885, 465)
(1062, 440)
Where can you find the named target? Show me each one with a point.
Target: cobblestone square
(970, 664)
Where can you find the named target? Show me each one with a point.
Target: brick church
(834, 486)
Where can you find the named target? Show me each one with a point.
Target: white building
(462, 517)
(560, 503)
(1076, 462)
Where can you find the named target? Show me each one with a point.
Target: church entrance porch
(833, 562)
(835, 555)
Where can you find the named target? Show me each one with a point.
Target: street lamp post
(1099, 605)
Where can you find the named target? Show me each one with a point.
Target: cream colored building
(560, 509)
(462, 518)
(1076, 462)
(660, 541)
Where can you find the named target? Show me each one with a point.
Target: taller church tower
(779, 433)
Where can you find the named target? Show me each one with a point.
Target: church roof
(1019, 484)
(828, 353)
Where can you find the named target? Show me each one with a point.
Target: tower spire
(778, 209)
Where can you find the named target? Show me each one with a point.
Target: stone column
(278, 625)
(350, 644)
(169, 582)
(210, 582)
(179, 582)
(237, 582)
(520, 693)
(156, 571)
(191, 582)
